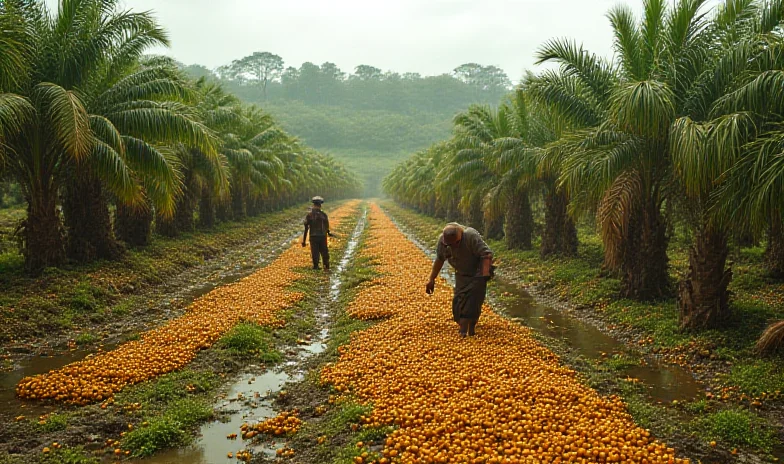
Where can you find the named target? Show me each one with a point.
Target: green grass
(619, 362)
(171, 429)
(248, 340)
(156, 394)
(737, 428)
(757, 377)
(86, 338)
(53, 423)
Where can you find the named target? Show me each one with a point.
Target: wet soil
(256, 394)
(161, 303)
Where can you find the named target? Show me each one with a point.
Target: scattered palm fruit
(284, 423)
(255, 298)
(498, 397)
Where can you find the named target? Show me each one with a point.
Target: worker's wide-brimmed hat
(317, 200)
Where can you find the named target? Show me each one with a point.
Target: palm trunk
(87, 221)
(183, 215)
(519, 227)
(774, 253)
(223, 210)
(644, 258)
(206, 208)
(703, 298)
(133, 224)
(494, 227)
(42, 234)
(238, 202)
(166, 226)
(255, 205)
(475, 217)
(745, 239)
(560, 234)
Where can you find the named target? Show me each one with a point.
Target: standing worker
(318, 223)
(472, 260)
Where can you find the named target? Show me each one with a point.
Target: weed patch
(248, 340)
(737, 427)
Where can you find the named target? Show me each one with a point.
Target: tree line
(89, 122)
(683, 126)
(368, 109)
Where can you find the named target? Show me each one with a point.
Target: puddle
(663, 382)
(250, 398)
(335, 279)
(34, 366)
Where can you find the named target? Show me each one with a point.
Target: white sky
(425, 36)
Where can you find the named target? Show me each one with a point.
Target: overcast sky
(425, 36)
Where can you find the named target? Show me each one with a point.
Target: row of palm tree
(88, 121)
(684, 124)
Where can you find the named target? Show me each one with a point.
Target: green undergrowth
(737, 428)
(170, 429)
(249, 340)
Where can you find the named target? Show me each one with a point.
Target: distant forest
(369, 119)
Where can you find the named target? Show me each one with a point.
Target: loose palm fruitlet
(256, 298)
(499, 397)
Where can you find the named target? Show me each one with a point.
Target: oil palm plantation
(65, 132)
(622, 162)
(725, 124)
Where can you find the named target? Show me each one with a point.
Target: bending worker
(317, 223)
(472, 260)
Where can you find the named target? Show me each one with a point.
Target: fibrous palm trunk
(560, 234)
(87, 220)
(133, 224)
(238, 202)
(519, 225)
(494, 227)
(774, 253)
(206, 208)
(223, 210)
(703, 298)
(643, 249)
(255, 205)
(475, 217)
(41, 233)
(183, 214)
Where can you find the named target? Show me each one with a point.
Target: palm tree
(467, 167)
(711, 139)
(141, 107)
(567, 102)
(624, 162)
(62, 134)
(527, 162)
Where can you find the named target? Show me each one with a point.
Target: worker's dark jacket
(317, 223)
(466, 259)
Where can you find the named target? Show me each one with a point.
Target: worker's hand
(303, 244)
(430, 287)
(330, 234)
